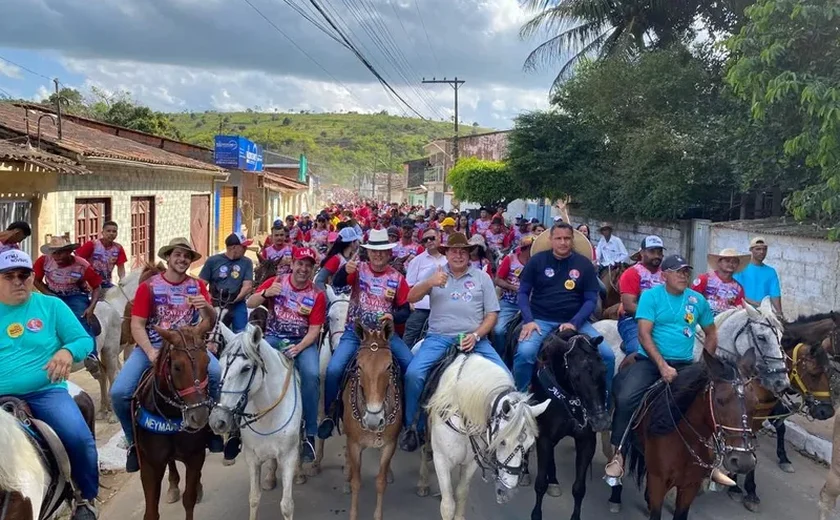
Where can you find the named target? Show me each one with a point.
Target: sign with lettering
(235, 151)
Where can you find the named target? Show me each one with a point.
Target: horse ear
(227, 334)
(166, 334)
(766, 307)
(330, 293)
(359, 329)
(256, 334)
(387, 329)
(597, 340)
(746, 365)
(752, 312)
(538, 409)
(714, 365)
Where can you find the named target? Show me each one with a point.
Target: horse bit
(356, 389)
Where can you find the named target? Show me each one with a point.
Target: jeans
(507, 312)
(526, 354)
(414, 326)
(434, 348)
(308, 366)
(55, 407)
(129, 377)
(79, 303)
(343, 354)
(631, 385)
(239, 316)
(628, 329)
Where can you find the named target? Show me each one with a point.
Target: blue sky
(178, 55)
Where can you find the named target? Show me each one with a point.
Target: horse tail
(636, 463)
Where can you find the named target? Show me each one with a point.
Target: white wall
(674, 234)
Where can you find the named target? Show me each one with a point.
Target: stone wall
(675, 235)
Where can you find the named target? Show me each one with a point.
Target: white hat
(378, 240)
(743, 259)
(14, 259)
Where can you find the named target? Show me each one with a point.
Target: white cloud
(12, 71)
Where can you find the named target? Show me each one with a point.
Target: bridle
(357, 392)
(765, 367)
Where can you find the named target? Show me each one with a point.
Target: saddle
(435, 374)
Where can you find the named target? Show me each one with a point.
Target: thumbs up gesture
(353, 264)
(439, 279)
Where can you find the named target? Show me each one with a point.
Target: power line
(314, 22)
(428, 40)
(18, 65)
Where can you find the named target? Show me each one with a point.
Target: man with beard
(170, 300)
(633, 282)
(231, 278)
(718, 285)
(298, 310)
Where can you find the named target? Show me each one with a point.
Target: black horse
(571, 373)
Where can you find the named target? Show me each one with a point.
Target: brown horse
(700, 420)
(610, 277)
(372, 413)
(175, 389)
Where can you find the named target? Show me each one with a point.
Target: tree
(488, 183)
(72, 101)
(784, 62)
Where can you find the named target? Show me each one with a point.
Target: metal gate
(90, 215)
(227, 213)
(142, 230)
(14, 211)
(200, 223)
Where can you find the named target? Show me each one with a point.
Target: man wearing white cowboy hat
(378, 292)
(718, 285)
(610, 249)
(759, 279)
(169, 300)
(72, 280)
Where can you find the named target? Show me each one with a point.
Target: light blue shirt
(674, 319)
(759, 281)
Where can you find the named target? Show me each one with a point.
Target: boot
(85, 510)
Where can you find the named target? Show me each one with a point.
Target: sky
(225, 55)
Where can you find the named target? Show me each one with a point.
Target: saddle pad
(155, 423)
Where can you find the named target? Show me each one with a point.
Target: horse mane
(807, 320)
(150, 269)
(668, 406)
(725, 315)
(19, 462)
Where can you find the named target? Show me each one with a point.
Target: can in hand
(460, 340)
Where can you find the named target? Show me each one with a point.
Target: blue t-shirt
(759, 281)
(558, 286)
(224, 274)
(674, 319)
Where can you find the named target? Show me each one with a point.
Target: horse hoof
(525, 480)
(390, 476)
(200, 495)
(312, 470)
(173, 495)
(615, 508)
(228, 462)
(787, 467)
(423, 491)
(300, 479)
(751, 504)
(346, 489)
(554, 490)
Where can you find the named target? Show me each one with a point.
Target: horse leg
(354, 460)
(615, 499)
(287, 478)
(751, 500)
(173, 494)
(525, 478)
(463, 490)
(554, 489)
(831, 488)
(444, 476)
(423, 482)
(255, 490)
(784, 462)
(545, 451)
(656, 491)
(152, 477)
(585, 447)
(685, 496)
(385, 456)
(269, 474)
(192, 484)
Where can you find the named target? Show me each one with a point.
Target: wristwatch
(477, 337)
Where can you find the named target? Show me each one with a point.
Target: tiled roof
(46, 161)
(92, 143)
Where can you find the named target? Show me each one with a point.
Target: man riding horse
(633, 282)
(104, 254)
(41, 342)
(169, 300)
(718, 285)
(231, 278)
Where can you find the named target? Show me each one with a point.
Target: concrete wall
(491, 146)
(675, 235)
(809, 268)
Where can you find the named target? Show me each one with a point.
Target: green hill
(337, 144)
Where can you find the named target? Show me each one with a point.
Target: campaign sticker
(692, 299)
(569, 285)
(234, 275)
(468, 297)
(15, 330)
(687, 332)
(34, 325)
(549, 272)
(574, 274)
(455, 296)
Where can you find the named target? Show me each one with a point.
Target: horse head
(265, 270)
(376, 373)
(337, 307)
(740, 330)
(243, 374)
(181, 374)
(809, 374)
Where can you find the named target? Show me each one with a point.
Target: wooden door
(90, 215)
(142, 230)
(200, 224)
(227, 214)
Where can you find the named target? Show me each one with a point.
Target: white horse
(476, 413)
(21, 467)
(261, 395)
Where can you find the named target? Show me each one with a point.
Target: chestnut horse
(174, 395)
(372, 410)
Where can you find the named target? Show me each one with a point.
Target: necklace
(680, 306)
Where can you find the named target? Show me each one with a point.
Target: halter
(357, 391)
(765, 358)
(796, 379)
(572, 404)
(223, 302)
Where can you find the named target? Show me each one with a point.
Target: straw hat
(58, 243)
(478, 241)
(729, 253)
(581, 243)
(178, 243)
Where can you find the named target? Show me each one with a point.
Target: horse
(477, 419)
(176, 389)
(128, 287)
(609, 277)
(260, 396)
(700, 420)
(372, 410)
(808, 366)
(35, 481)
(571, 373)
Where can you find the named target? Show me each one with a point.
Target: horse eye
(503, 443)
(246, 369)
(762, 337)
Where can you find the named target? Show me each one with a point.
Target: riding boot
(325, 429)
(232, 448)
(307, 450)
(408, 440)
(132, 462)
(84, 510)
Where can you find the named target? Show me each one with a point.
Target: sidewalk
(813, 438)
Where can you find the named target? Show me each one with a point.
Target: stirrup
(615, 467)
(719, 477)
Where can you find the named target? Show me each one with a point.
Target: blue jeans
(308, 366)
(628, 329)
(344, 352)
(79, 303)
(526, 354)
(433, 349)
(129, 377)
(239, 316)
(507, 312)
(55, 407)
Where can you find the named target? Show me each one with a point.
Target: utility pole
(58, 107)
(455, 84)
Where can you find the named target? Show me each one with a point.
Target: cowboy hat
(58, 243)
(744, 260)
(378, 240)
(606, 225)
(581, 243)
(458, 240)
(178, 243)
(478, 241)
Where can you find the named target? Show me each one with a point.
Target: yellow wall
(22, 181)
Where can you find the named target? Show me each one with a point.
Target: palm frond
(595, 46)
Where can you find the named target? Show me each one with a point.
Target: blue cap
(349, 234)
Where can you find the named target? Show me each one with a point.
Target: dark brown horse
(176, 391)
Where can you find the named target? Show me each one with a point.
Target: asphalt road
(784, 496)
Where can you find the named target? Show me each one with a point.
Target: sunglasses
(427, 239)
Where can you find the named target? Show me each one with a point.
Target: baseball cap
(349, 234)
(14, 259)
(237, 239)
(535, 220)
(304, 253)
(519, 216)
(557, 219)
(448, 221)
(394, 231)
(758, 241)
(674, 263)
(305, 214)
(652, 242)
(407, 223)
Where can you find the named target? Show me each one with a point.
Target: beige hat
(581, 243)
(478, 240)
(176, 243)
(378, 240)
(758, 241)
(58, 243)
(744, 260)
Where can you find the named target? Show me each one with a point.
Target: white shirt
(611, 252)
(416, 267)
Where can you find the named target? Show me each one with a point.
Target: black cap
(394, 231)
(674, 263)
(408, 223)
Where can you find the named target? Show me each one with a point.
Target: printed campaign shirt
(318, 238)
(481, 226)
(402, 250)
(294, 310)
(721, 295)
(167, 305)
(638, 279)
(272, 253)
(495, 240)
(66, 281)
(102, 259)
(509, 270)
(373, 294)
(8, 247)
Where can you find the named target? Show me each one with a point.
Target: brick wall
(675, 235)
(490, 147)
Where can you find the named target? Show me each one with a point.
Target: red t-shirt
(318, 316)
(86, 252)
(143, 299)
(90, 276)
(504, 268)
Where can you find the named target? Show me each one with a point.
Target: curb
(806, 442)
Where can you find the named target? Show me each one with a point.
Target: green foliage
(785, 64)
(488, 183)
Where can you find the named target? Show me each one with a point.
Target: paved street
(226, 494)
